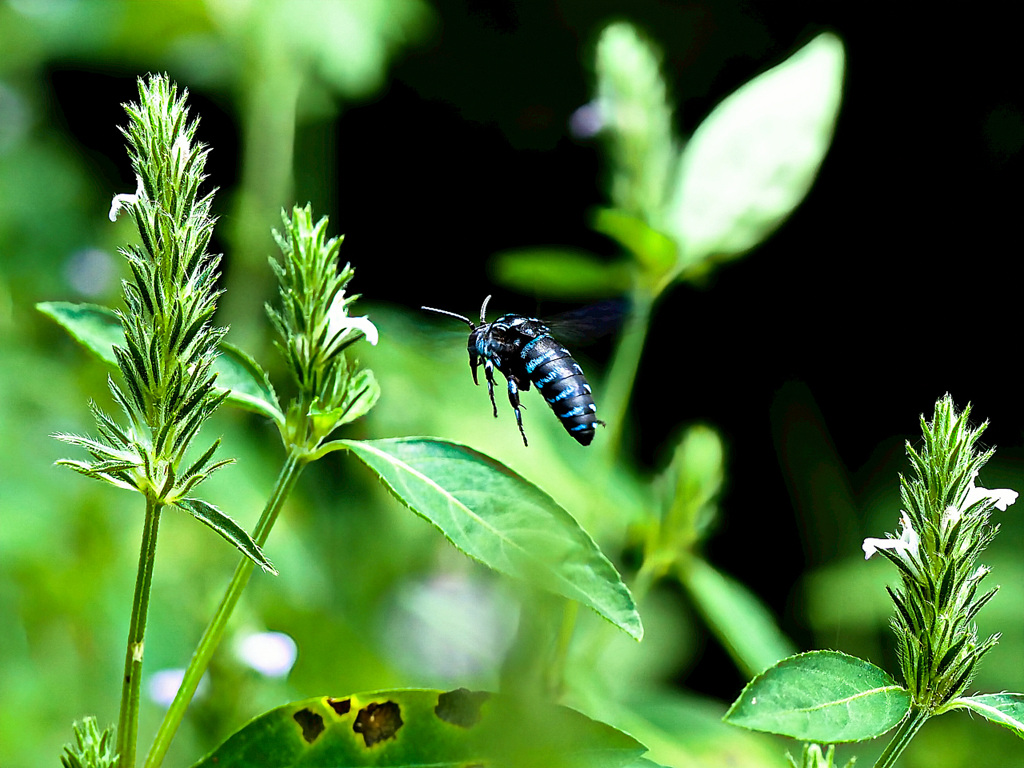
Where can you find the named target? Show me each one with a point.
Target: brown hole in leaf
(340, 706)
(461, 707)
(378, 722)
(311, 723)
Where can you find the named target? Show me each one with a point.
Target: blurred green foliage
(371, 595)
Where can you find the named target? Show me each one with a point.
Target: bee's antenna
(483, 310)
(463, 318)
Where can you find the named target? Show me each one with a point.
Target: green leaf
(234, 533)
(98, 329)
(823, 696)
(742, 623)
(753, 159)
(560, 273)
(362, 394)
(248, 383)
(656, 251)
(1006, 709)
(424, 728)
(495, 516)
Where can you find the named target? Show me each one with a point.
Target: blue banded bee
(523, 349)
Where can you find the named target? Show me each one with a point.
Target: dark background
(896, 281)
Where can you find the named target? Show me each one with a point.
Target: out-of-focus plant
(945, 525)
(677, 209)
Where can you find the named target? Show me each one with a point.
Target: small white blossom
(1002, 497)
(339, 323)
(123, 201)
(907, 542)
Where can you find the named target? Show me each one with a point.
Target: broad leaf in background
(98, 329)
(1006, 709)
(753, 159)
(424, 728)
(561, 273)
(742, 623)
(822, 696)
(498, 518)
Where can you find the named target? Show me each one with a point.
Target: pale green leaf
(654, 250)
(231, 531)
(740, 621)
(248, 383)
(420, 728)
(823, 696)
(500, 519)
(753, 159)
(363, 393)
(562, 273)
(1006, 709)
(96, 328)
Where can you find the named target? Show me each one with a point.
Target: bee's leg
(489, 373)
(513, 397)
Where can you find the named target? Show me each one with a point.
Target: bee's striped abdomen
(560, 380)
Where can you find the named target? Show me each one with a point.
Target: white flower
(1001, 497)
(122, 201)
(269, 653)
(907, 542)
(340, 324)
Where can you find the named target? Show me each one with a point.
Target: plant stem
(622, 374)
(556, 671)
(215, 630)
(128, 720)
(907, 730)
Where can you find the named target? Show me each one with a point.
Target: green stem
(622, 374)
(128, 720)
(556, 672)
(215, 630)
(907, 730)
(270, 89)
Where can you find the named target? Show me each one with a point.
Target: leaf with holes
(421, 728)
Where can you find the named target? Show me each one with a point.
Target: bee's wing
(589, 323)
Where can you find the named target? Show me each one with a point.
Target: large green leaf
(742, 623)
(98, 329)
(94, 327)
(1006, 709)
(497, 517)
(752, 160)
(823, 696)
(421, 728)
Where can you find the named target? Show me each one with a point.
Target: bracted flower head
(945, 527)
(315, 331)
(167, 385)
